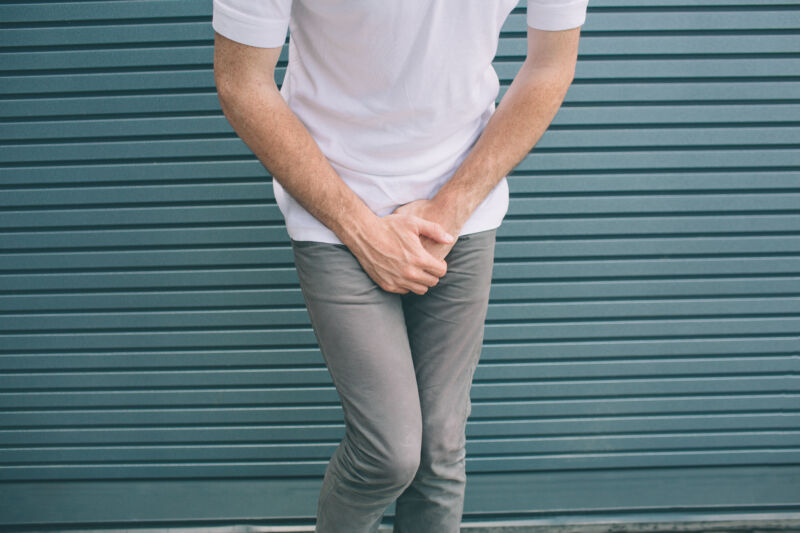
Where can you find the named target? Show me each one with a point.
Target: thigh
(445, 329)
(363, 338)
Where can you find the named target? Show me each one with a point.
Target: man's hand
(427, 210)
(392, 253)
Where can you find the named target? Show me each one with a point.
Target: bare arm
(519, 121)
(388, 247)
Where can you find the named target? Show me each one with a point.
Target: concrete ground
(766, 525)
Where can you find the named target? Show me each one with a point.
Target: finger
(429, 262)
(416, 275)
(418, 289)
(434, 231)
(433, 266)
(426, 279)
(394, 289)
(403, 287)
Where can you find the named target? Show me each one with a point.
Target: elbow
(227, 100)
(569, 74)
(233, 89)
(561, 75)
(556, 79)
(233, 96)
(232, 93)
(226, 87)
(567, 78)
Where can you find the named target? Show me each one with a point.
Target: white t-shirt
(394, 93)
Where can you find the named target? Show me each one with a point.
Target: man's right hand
(392, 253)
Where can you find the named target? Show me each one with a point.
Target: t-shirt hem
(315, 235)
(488, 215)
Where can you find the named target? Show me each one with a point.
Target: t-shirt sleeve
(261, 23)
(556, 15)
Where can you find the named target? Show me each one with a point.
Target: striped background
(642, 343)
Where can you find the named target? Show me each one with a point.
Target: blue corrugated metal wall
(642, 345)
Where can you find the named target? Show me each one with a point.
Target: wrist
(458, 198)
(356, 227)
(451, 211)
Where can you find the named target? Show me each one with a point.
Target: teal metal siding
(642, 343)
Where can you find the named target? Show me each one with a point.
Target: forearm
(520, 119)
(264, 121)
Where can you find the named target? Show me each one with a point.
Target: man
(389, 161)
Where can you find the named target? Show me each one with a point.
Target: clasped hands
(407, 249)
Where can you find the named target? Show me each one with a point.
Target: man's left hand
(428, 210)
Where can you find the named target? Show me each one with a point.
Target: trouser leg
(445, 330)
(362, 336)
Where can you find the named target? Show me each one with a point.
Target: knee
(399, 469)
(390, 468)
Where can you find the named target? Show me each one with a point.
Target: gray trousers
(402, 366)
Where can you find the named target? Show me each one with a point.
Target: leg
(362, 335)
(445, 329)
